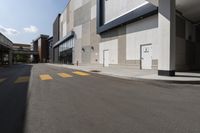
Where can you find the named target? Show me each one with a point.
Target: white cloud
(8, 31)
(31, 29)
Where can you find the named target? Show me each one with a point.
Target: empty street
(60, 100)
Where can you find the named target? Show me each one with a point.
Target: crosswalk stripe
(81, 73)
(22, 79)
(1, 80)
(64, 75)
(45, 77)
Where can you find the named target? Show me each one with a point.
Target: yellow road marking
(64, 75)
(1, 80)
(45, 77)
(81, 73)
(22, 79)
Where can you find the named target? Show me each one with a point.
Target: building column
(10, 57)
(167, 37)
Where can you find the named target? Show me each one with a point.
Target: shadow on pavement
(188, 76)
(186, 82)
(13, 98)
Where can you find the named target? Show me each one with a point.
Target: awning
(67, 37)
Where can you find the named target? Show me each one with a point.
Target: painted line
(45, 77)
(81, 73)
(22, 79)
(64, 75)
(3, 79)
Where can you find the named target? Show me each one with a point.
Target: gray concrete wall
(80, 16)
(56, 55)
(56, 29)
(115, 9)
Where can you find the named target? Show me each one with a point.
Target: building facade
(50, 45)
(41, 47)
(139, 34)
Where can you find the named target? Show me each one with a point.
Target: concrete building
(50, 45)
(5, 50)
(41, 46)
(140, 34)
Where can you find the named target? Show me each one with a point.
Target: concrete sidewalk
(129, 73)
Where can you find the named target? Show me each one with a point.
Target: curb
(155, 80)
(195, 82)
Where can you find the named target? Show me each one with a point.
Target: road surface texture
(13, 97)
(62, 100)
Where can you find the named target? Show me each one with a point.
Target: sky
(24, 20)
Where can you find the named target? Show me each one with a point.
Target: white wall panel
(116, 8)
(112, 46)
(77, 4)
(93, 12)
(64, 29)
(142, 32)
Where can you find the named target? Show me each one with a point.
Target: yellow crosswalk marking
(1, 80)
(81, 73)
(45, 77)
(22, 79)
(64, 75)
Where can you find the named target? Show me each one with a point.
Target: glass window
(66, 45)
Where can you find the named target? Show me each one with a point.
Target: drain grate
(95, 71)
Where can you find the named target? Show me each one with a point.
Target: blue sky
(24, 20)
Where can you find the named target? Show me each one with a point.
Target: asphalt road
(101, 104)
(13, 97)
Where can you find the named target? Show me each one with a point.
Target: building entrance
(66, 56)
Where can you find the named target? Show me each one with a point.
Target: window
(66, 45)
